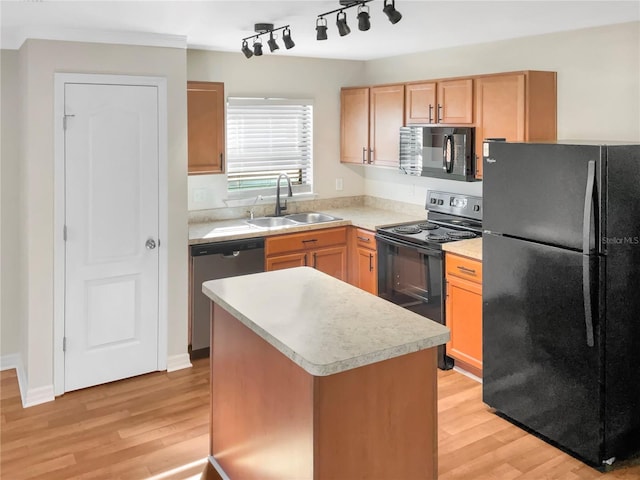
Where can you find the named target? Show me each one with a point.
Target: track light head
(273, 45)
(321, 28)
(246, 50)
(257, 47)
(341, 22)
(286, 38)
(364, 22)
(390, 9)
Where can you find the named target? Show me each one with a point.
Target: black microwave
(441, 152)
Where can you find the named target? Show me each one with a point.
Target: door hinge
(64, 344)
(64, 233)
(64, 121)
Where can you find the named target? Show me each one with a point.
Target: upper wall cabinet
(205, 117)
(517, 106)
(369, 124)
(354, 125)
(445, 102)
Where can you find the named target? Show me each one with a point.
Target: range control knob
(476, 208)
(440, 202)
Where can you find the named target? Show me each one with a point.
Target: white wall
(38, 61)
(293, 77)
(9, 204)
(598, 88)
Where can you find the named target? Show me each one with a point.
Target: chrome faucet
(280, 209)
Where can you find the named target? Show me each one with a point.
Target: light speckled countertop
(471, 248)
(361, 216)
(324, 325)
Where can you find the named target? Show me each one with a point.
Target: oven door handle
(426, 251)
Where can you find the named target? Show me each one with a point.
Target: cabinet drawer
(464, 267)
(305, 241)
(365, 238)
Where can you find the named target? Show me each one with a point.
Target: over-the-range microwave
(441, 152)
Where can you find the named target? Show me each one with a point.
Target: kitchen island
(312, 378)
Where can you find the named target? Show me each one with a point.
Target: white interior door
(111, 219)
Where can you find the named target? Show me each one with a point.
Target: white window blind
(266, 137)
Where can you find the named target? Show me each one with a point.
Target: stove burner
(428, 226)
(435, 237)
(407, 229)
(461, 234)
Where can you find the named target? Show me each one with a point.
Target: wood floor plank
(155, 427)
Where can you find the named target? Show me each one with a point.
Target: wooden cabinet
(386, 114)
(444, 102)
(464, 311)
(517, 106)
(363, 272)
(369, 124)
(325, 250)
(205, 124)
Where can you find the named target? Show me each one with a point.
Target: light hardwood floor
(155, 427)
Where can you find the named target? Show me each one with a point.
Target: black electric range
(451, 217)
(410, 256)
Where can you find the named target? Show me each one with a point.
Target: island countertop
(324, 325)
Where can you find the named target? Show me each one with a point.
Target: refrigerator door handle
(586, 292)
(588, 208)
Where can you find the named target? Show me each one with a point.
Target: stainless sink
(311, 217)
(271, 222)
(291, 220)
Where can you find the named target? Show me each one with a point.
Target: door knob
(150, 244)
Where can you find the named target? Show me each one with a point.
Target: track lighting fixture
(273, 45)
(263, 29)
(341, 22)
(246, 50)
(286, 38)
(390, 9)
(321, 28)
(257, 47)
(363, 18)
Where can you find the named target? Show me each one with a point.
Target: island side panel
(379, 421)
(261, 406)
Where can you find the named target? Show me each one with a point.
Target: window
(266, 137)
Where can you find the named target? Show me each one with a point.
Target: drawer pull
(315, 260)
(310, 240)
(364, 239)
(470, 271)
(370, 262)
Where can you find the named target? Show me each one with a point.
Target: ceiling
(221, 25)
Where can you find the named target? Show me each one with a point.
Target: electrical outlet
(339, 184)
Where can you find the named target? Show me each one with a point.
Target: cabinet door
(290, 260)
(367, 270)
(420, 103)
(354, 125)
(500, 111)
(205, 125)
(332, 261)
(455, 101)
(464, 319)
(385, 119)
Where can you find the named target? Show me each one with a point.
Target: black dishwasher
(210, 261)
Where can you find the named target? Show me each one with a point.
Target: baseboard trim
(178, 362)
(36, 396)
(13, 360)
(30, 396)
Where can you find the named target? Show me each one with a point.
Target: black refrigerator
(561, 294)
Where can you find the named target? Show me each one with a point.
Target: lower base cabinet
(363, 272)
(464, 311)
(325, 250)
